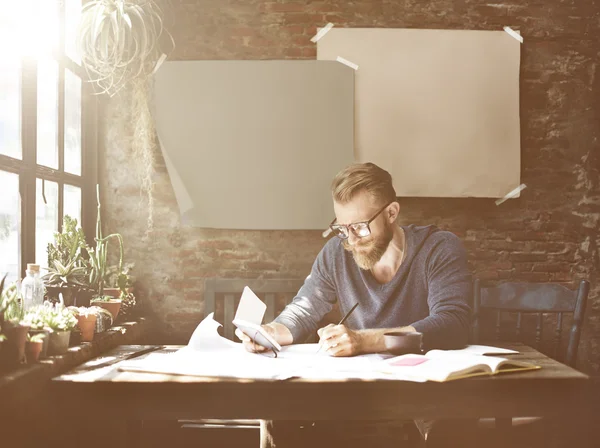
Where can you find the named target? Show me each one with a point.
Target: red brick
(287, 7)
(309, 52)
(534, 277)
(216, 244)
(528, 236)
(487, 275)
(551, 267)
(526, 256)
(302, 41)
(263, 265)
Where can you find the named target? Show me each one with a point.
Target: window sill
(25, 383)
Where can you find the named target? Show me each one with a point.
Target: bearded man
(404, 278)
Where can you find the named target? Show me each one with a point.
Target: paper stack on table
(208, 354)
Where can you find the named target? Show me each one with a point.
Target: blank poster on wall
(255, 144)
(439, 109)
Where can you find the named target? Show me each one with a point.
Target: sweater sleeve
(314, 300)
(449, 292)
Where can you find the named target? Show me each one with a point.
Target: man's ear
(393, 211)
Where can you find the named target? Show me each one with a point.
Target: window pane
(72, 123)
(72, 16)
(10, 106)
(46, 219)
(72, 204)
(10, 228)
(47, 113)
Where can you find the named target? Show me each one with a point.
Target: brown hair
(362, 177)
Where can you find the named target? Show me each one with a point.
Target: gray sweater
(431, 291)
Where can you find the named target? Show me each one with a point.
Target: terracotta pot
(87, 325)
(44, 352)
(13, 348)
(33, 350)
(59, 343)
(113, 292)
(113, 306)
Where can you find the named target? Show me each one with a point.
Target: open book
(441, 365)
(248, 318)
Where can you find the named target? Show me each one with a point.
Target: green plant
(2, 338)
(69, 244)
(36, 317)
(128, 303)
(2, 305)
(59, 318)
(66, 275)
(102, 299)
(12, 305)
(99, 255)
(83, 310)
(36, 337)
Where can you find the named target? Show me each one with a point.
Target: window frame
(28, 169)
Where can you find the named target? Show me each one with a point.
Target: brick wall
(549, 234)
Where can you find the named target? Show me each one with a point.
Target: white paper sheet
(479, 350)
(251, 308)
(210, 355)
(438, 109)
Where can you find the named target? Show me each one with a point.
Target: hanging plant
(122, 43)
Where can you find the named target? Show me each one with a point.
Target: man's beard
(366, 256)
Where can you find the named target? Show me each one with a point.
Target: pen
(343, 319)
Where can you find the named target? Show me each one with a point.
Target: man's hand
(339, 340)
(279, 332)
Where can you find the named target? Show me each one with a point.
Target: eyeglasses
(359, 229)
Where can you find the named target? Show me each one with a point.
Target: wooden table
(554, 390)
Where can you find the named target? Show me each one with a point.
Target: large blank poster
(439, 109)
(255, 144)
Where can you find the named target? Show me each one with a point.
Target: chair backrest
(537, 299)
(222, 295)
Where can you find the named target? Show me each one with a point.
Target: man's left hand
(339, 340)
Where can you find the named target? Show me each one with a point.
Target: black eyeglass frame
(349, 227)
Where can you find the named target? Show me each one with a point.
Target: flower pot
(113, 292)
(59, 343)
(44, 351)
(68, 293)
(83, 297)
(33, 350)
(87, 325)
(113, 306)
(13, 348)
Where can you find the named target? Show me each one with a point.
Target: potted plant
(119, 282)
(35, 318)
(122, 43)
(33, 347)
(61, 322)
(68, 268)
(109, 303)
(13, 328)
(99, 268)
(86, 321)
(104, 318)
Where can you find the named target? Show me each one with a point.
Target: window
(47, 131)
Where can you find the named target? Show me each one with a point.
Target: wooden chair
(538, 299)
(547, 304)
(222, 296)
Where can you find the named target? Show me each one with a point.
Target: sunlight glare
(29, 28)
